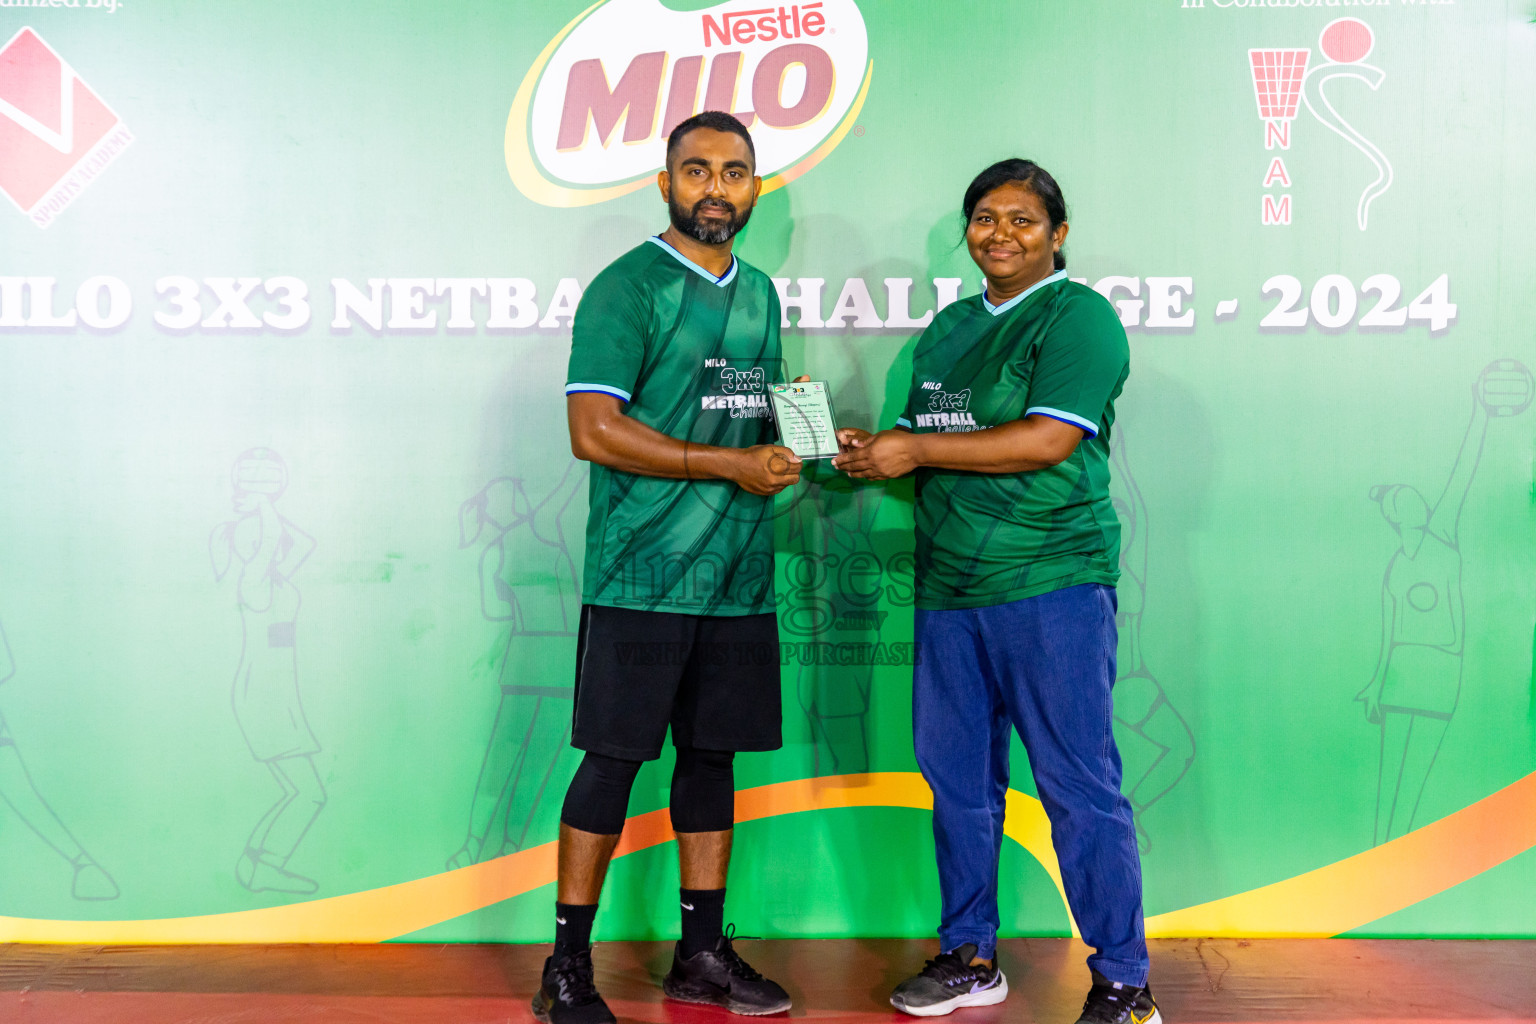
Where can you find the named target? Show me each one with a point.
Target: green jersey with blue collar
(1056, 350)
(691, 355)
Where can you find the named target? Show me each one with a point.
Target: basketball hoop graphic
(1277, 78)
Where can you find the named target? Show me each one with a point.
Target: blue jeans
(1043, 665)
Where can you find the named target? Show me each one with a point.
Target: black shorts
(713, 678)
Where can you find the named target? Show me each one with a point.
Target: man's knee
(703, 790)
(598, 798)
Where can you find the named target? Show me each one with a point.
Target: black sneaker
(721, 977)
(948, 982)
(567, 994)
(1110, 1002)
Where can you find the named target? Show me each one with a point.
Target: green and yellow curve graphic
(1326, 901)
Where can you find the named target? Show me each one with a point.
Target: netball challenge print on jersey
(690, 354)
(1057, 350)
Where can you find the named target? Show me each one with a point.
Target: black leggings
(703, 792)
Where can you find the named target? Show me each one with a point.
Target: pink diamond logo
(56, 134)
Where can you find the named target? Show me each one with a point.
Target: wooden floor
(1206, 981)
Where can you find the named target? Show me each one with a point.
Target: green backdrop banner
(291, 534)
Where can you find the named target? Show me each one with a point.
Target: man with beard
(671, 352)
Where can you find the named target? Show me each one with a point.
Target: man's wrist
(709, 462)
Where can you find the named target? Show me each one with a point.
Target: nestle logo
(736, 28)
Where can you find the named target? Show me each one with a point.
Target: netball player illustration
(264, 551)
(836, 585)
(1417, 682)
(20, 794)
(1142, 707)
(527, 581)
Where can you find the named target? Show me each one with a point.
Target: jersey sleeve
(608, 337)
(1082, 364)
(905, 420)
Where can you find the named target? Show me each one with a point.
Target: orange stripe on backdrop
(1357, 890)
(1332, 899)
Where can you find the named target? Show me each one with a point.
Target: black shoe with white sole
(948, 982)
(1110, 1002)
(720, 977)
(568, 995)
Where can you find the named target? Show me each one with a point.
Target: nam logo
(56, 134)
(590, 121)
(1282, 82)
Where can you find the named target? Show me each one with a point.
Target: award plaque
(803, 412)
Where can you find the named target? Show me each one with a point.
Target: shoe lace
(949, 969)
(573, 976)
(735, 966)
(1107, 1004)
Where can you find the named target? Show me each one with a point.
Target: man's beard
(711, 233)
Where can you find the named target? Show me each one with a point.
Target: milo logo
(591, 119)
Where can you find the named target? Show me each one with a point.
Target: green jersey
(1057, 350)
(691, 355)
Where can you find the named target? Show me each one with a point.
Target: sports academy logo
(590, 121)
(56, 133)
(1283, 82)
